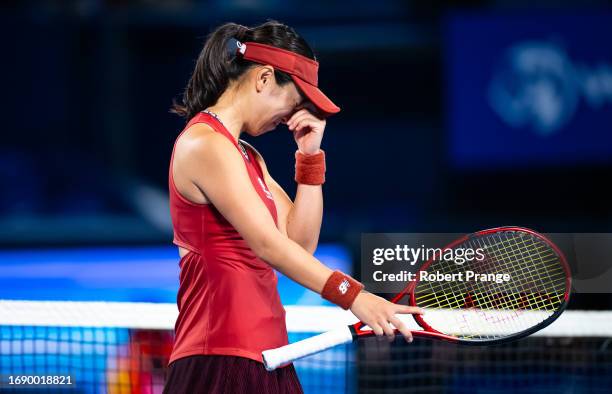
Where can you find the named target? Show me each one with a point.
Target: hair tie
(232, 46)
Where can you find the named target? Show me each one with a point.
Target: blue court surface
(136, 274)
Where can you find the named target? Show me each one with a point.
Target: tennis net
(124, 347)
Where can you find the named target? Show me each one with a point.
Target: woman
(233, 223)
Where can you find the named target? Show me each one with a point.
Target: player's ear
(264, 77)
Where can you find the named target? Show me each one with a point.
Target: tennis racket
(471, 311)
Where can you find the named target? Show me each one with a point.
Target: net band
(110, 347)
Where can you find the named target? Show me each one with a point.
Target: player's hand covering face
(307, 130)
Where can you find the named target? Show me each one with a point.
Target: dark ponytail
(217, 64)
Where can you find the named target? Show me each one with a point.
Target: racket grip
(274, 358)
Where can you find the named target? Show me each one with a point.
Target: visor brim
(316, 97)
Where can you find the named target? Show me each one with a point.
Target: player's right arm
(214, 165)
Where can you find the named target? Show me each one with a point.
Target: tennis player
(234, 224)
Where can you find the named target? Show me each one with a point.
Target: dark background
(87, 136)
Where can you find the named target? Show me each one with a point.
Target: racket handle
(274, 358)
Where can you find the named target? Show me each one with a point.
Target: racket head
(476, 312)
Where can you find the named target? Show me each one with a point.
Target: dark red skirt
(228, 375)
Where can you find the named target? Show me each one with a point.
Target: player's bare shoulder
(193, 138)
(198, 141)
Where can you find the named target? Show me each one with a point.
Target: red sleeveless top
(227, 299)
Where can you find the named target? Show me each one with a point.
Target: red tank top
(227, 299)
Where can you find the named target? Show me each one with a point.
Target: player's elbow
(310, 246)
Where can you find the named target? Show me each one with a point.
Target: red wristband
(341, 289)
(310, 169)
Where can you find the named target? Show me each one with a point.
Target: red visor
(303, 71)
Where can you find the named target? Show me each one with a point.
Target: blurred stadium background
(456, 116)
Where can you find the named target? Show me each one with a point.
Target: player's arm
(301, 219)
(215, 166)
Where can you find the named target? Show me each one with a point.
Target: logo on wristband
(344, 286)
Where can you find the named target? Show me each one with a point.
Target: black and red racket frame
(431, 333)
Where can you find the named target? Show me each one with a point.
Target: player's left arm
(300, 220)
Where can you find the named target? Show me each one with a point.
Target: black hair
(217, 66)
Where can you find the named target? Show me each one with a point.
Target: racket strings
(473, 293)
(526, 286)
(487, 308)
(450, 267)
(529, 290)
(537, 274)
(540, 274)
